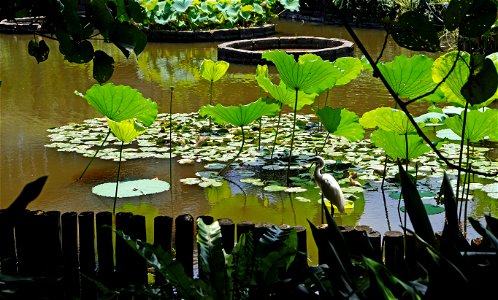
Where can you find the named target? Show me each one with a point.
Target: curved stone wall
(249, 51)
(171, 36)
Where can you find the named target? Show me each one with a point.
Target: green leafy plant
(213, 71)
(127, 113)
(241, 115)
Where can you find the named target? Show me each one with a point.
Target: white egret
(328, 185)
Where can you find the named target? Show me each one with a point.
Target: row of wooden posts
(66, 245)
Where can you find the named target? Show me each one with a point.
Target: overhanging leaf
(481, 85)
(416, 32)
(103, 66)
(240, 115)
(341, 122)
(409, 77)
(284, 95)
(127, 37)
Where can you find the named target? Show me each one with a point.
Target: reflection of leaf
(239, 115)
(479, 124)
(103, 66)
(213, 71)
(341, 122)
(388, 119)
(395, 145)
(409, 77)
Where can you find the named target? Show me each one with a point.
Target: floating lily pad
(214, 166)
(275, 188)
(295, 190)
(191, 180)
(423, 194)
(131, 188)
(431, 209)
(303, 199)
(245, 173)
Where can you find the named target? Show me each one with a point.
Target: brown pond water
(35, 97)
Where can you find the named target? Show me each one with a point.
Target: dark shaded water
(35, 97)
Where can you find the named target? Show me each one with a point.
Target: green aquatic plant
(213, 71)
(309, 74)
(239, 115)
(127, 113)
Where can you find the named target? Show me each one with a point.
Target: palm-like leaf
(284, 95)
(453, 84)
(395, 145)
(479, 125)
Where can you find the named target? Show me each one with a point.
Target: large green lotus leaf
(284, 95)
(416, 32)
(239, 115)
(350, 67)
(126, 130)
(478, 126)
(341, 122)
(292, 5)
(309, 74)
(121, 102)
(482, 84)
(388, 119)
(132, 188)
(395, 145)
(181, 6)
(452, 86)
(409, 77)
(213, 71)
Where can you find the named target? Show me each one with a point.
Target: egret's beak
(312, 159)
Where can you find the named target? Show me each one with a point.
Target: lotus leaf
(395, 145)
(132, 188)
(126, 130)
(416, 32)
(309, 74)
(431, 209)
(284, 95)
(275, 188)
(479, 125)
(453, 84)
(121, 102)
(409, 77)
(240, 115)
(213, 71)
(448, 134)
(350, 67)
(181, 6)
(292, 5)
(341, 122)
(472, 18)
(388, 119)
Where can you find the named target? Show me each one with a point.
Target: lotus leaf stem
(276, 133)
(94, 155)
(117, 179)
(292, 136)
(237, 155)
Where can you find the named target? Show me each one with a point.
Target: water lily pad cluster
(193, 142)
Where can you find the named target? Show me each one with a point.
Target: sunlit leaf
(309, 74)
(395, 145)
(409, 77)
(388, 119)
(126, 130)
(121, 102)
(452, 86)
(341, 122)
(239, 115)
(213, 71)
(478, 126)
(181, 6)
(284, 95)
(350, 67)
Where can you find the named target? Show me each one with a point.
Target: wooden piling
(8, 258)
(105, 270)
(244, 227)
(69, 235)
(86, 222)
(184, 242)
(394, 252)
(163, 228)
(228, 233)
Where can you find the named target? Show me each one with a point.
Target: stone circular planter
(171, 36)
(249, 51)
